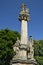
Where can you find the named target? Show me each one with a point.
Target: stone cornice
(24, 61)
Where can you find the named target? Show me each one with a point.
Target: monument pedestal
(21, 56)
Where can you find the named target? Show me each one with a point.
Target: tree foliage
(38, 45)
(7, 39)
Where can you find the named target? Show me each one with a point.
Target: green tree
(38, 45)
(7, 39)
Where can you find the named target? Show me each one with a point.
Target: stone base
(23, 62)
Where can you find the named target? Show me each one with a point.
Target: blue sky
(9, 12)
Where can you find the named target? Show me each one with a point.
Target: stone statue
(31, 48)
(16, 48)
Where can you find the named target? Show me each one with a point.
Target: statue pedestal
(20, 58)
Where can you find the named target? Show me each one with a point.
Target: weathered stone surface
(23, 55)
(24, 61)
(24, 33)
(23, 46)
(31, 43)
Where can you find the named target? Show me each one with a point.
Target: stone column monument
(23, 49)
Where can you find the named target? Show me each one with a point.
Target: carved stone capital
(24, 17)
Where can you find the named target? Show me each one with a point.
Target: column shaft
(24, 35)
